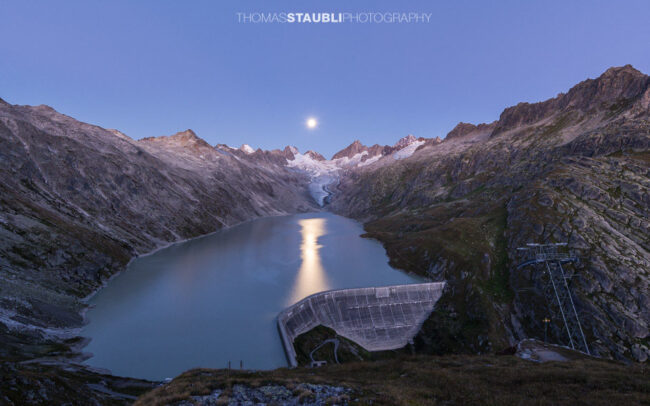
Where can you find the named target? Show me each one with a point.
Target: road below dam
(215, 299)
(377, 318)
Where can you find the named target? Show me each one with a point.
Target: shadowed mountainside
(571, 169)
(77, 202)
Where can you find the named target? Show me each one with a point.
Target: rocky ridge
(375, 152)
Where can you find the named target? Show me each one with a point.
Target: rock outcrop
(463, 129)
(315, 155)
(351, 150)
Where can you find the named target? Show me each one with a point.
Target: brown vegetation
(449, 380)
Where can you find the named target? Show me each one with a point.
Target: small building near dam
(378, 319)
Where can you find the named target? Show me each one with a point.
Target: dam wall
(378, 319)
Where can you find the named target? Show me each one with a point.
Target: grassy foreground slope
(427, 380)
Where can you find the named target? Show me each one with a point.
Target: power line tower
(557, 288)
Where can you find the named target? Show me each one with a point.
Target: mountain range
(78, 202)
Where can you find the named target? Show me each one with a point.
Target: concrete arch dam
(378, 319)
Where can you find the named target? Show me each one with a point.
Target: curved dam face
(378, 319)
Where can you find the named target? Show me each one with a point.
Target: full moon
(311, 123)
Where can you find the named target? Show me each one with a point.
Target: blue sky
(151, 68)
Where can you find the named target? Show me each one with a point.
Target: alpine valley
(78, 202)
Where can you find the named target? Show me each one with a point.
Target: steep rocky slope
(573, 169)
(77, 202)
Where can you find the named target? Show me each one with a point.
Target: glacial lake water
(214, 299)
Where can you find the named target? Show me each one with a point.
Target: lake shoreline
(275, 260)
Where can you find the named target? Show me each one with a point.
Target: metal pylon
(557, 289)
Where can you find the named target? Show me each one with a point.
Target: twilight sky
(151, 68)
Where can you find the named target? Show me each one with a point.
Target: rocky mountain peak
(188, 135)
(246, 148)
(182, 139)
(290, 152)
(623, 70)
(460, 130)
(616, 86)
(405, 141)
(315, 155)
(351, 150)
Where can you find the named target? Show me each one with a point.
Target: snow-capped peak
(408, 150)
(405, 141)
(247, 149)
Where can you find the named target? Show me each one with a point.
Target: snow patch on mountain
(405, 141)
(371, 160)
(247, 149)
(346, 162)
(408, 150)
(311, 165)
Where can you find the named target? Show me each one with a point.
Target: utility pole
(557, 288)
